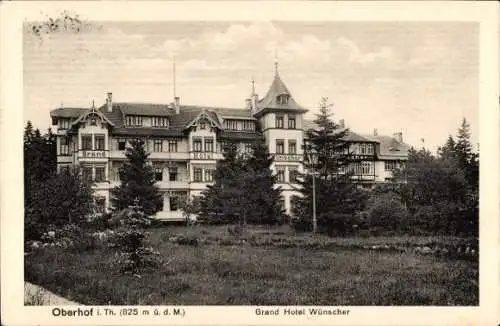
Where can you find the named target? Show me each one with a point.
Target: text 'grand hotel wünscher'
(185, 143)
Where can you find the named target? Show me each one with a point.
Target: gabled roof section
(350, 135)
(209, 115)
(67, 112)
(390, 148)
(145, 109)
(270, 100)
(90, 111)
(177, 122)
(227, 113)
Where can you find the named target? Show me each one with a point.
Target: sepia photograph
(296, 166)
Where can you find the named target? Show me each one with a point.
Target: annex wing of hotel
(185, 141)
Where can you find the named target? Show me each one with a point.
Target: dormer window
(63, 124)
(283, 99)
(160, 122)
(202, 125)
(248, 125)
(231, 124)
(134, 121)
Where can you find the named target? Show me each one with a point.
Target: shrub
(386, 212)
(301, 224)
(187, 240)
(129, 217)
(127, 240)
(99, 221)
(61, 199)
(134, 262)
(337, 224)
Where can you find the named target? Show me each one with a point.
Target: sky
(418, 78)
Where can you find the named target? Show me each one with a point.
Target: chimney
(177, 104)
(109, 102)
(398, 136)
(375, 132)
(342, 123)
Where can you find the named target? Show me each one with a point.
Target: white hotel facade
(185, 143)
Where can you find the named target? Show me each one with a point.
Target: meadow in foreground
(225, 269)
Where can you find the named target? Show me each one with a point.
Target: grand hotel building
(185, 143)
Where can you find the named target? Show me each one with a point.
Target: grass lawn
(214, 273)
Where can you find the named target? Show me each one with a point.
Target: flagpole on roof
(173, 68)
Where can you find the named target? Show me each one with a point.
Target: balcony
(364, 177)
(182, 185)
(167, 156)
(170, 156)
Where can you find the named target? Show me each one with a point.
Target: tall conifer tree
(261, 193)
(337, 197)
(137, 182)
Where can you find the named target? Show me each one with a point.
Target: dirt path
(35, 295)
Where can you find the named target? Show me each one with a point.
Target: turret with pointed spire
(278, 96)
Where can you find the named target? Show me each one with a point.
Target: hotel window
(366, 149)
(64, 146)
(122, 144)
(64, 123)
(293, 174)
(223, 146)
(248, 148)
(157, 145)
(92, 120)
(366, 168)
(291, 122)
(292, 147)
(161, 122)
(389, 165)
(282, 204)
(280, 172)
(172, 146)
(209, 144)
(100, 204)
(248, 125)
(64, 169)
(174, 203)
(100, 174)
(197, 175)
(197, 145)
(99, 142)
(293, 202)
(280, 146)
(160, 204)
(209, 175)
(86, 142)
(283, 99)
(231, 124)
(172, 174)
(116, 171)
(87, 173)
(280, 121)
(158, 174)
(134, 121)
